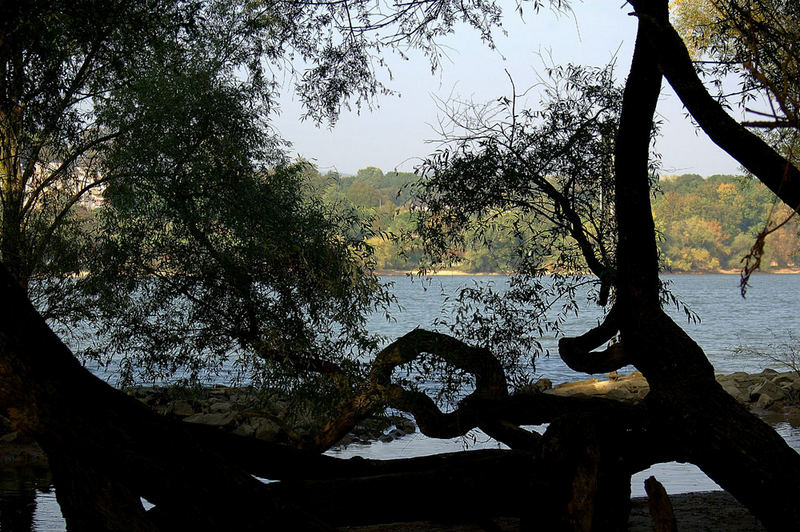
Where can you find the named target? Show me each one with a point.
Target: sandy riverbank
(704, 511)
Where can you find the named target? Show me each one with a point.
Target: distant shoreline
(462, 273)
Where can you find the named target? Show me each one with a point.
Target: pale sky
(394, 135)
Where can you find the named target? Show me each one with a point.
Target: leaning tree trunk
(707, 426)
(106, 450)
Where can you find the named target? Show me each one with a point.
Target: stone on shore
(245, 412)
(767, 390)
(628, 388)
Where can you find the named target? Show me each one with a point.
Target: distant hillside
(710, 224)
(705, 224)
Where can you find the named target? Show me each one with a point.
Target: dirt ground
(696, 512)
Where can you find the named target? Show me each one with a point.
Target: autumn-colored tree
(756, 38)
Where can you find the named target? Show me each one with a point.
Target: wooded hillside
(705, 224)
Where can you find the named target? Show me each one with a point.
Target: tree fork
(772, 169)
(707, 426)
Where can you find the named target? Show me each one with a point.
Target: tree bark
(772, 169)
(660, 506)
(107, 451)
(706, 425)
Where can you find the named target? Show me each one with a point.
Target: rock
(21, 454)
(786, 379)
(741, 379)
(347, 440)
(219, 391)
(406, 426)
(792, 388)
(245, 429)
(372, 428)
(217, 419)
(735, 375)
(585, 387)
(181, 407)
(542, 385)
(265, 429)
(765, 402)
(620, 394)
(631, 387)
(766, 389)
(396, 434)
(148, 396)
(741, 395)
(222, 406)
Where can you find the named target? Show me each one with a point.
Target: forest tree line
(705, 224)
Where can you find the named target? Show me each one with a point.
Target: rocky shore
(773, 395)
(246, 412)
(243, 411)
(767, 393)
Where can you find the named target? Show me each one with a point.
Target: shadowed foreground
(700, 511)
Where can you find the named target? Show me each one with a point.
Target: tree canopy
(161, 114)
(756, 40)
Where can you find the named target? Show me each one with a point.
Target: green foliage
(337, 43)
(210, 247)
(78, 77)
(711, 224)
(60, 62)
(253, 267)
(705, 224)
(215, 247)
(535, 175)
(754, 39)
(527, 191)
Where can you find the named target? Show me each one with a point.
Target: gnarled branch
(577, 352)
(490, 382)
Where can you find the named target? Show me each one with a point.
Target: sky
(402, 130)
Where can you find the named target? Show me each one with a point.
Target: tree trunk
(585, 458)
(660, 506)
(12, 190)
(107, 450)
(706, 425)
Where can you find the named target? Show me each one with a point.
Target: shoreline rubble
(773, 395)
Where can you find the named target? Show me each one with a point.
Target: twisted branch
(577, 352)
(490, 384)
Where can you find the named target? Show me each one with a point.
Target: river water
(763, 322)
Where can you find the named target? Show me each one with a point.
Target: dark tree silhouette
(107, 451)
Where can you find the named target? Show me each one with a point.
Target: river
(765, 321)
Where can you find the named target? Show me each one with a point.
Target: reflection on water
(22, 491)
